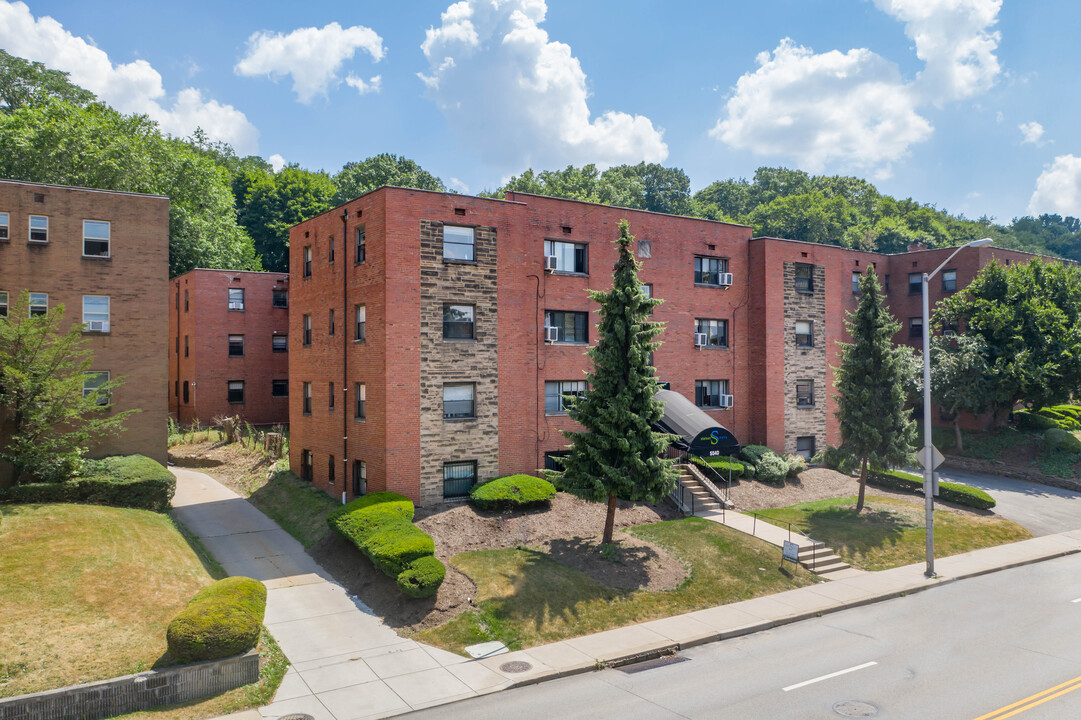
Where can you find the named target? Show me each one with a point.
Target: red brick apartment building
(435, 334)
(104, 256)
(228, 346)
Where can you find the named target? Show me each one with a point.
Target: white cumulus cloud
(521, 98)
(134, 87)
(954, 40)
(1031, 131)
(1058, 189)
(312, 56)
(363, 87)
(277, 162)
(851, 108)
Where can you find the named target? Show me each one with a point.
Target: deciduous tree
(618, 455)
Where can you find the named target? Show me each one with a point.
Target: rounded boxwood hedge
(1059, 439)
(422, 578)
(512, 492)
(133, 481)
(223, 619)
(951, 492)
(380, 526)
(723, 466)
(771, 468)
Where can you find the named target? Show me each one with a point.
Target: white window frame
(5, 226)
(360, 402)
(472, 400)
(33, 304)
(31, 228)
(472, 244)
(234, 305)
(810, 334)
(562, 388)
(566, 254)
(91, 317)
(87, 390)
(4, 300)
(107, 239)
(360, 323)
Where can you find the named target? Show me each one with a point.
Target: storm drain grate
(651, 664)
(515, 666)
(297, 716)
(855, 709)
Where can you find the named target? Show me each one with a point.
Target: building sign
(714, 442)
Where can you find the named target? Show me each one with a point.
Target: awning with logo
(700, 434)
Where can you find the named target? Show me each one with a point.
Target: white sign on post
(936, 457)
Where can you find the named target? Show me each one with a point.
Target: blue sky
(968, 104)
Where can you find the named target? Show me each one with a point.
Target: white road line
(831, 675)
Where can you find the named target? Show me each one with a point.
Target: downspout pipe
(345, 356)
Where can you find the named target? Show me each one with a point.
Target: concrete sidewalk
(346, 664)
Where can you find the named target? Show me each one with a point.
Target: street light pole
(928, 461)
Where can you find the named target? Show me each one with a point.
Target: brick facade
(404, 361)
(201, 364)
(131, 271)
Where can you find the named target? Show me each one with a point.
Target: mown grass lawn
(889, 532)
(86, 592)
(296, 506)
(525, 598)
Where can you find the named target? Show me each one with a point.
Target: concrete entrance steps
(814, 556)
(704, 501)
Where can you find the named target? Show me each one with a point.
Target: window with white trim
(5, 221)
(360, 322)
(96, 236)
(556, 392)
(359, 245)
(569, 257)
(39, 228)
(95, 313)
(39, 304)
(307, 398)
(707, 393)
(949, 281)
(3, 303)
(458, 243)
(360, 395)
(236, 299)
(92, 383)
(459, 401)
(805, 337)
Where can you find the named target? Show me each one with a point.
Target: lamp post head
(978, 243)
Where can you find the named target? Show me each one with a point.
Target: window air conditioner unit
(99, 326)
(726, 401)
(551, 263)
(726, 279)
(700, 339)
(236, 306)
(551, 334)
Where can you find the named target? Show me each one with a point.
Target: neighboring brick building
(228, 346)
(438, 332)
(104, 256)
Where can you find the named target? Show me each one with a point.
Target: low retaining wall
(991, 467)
(131, 693)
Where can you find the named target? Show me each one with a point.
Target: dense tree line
(235, 212)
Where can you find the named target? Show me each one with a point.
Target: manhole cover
(515, 666)
(855, 709)
(297, 716)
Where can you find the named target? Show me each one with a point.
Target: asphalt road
(968, 649)
(1040, 509)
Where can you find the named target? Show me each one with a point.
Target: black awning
(700, 434)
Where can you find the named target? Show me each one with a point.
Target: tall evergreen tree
(618, 456)
(875, 429)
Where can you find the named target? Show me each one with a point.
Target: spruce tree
(618, 455)
(875, 428)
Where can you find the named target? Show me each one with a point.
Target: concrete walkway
(1040, 509)
(346, 664)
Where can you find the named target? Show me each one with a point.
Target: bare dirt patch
(821, 484)
(569, 530)
(242, 471)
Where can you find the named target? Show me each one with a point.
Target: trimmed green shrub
(723, 466)
(1032, 421)
(422, 578)
(754, 453)
(796, 464)
(950, 492)
(1058, 439)
(380, 526)
(134, 481)
(512, 492)
(1073, 411)
(772, 468)
(223, 619)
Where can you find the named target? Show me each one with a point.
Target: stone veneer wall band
(457, 361)
(804, 363)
